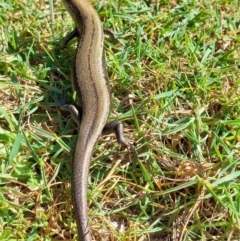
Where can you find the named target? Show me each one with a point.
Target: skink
(90, 81)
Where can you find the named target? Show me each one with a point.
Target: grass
(174, 71)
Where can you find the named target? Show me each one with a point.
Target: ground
(174, 72)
